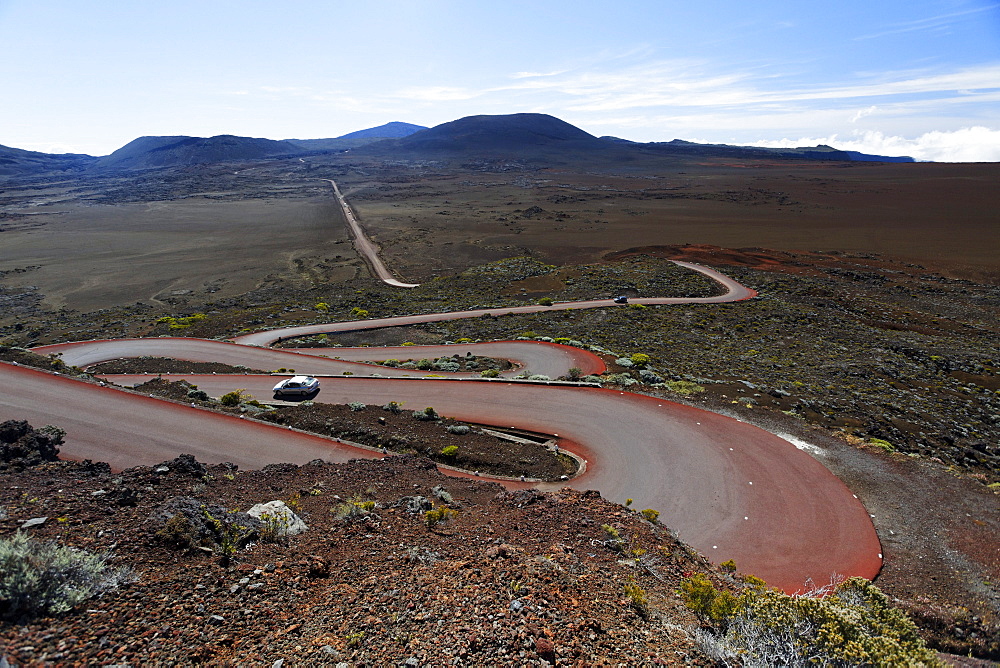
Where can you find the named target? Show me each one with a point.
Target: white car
(300, 385)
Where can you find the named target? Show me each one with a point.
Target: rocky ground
(513, 578)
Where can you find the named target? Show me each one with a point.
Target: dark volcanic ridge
(522, 136)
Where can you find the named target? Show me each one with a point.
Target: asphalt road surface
(730, 489)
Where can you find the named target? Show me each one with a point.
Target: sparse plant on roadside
(45, 578)
(490, 373)
(359, 312)
(853, 624)
(459, 429)
(640, 359)
(197, 395)
(322, 307)
(882, 443)
(546, 301)
(650, 514)
(393, 407)
(427, 414)
(234, 398)
(356, 406)
(449, 451)
(684, 387)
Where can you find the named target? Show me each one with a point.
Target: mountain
(150, 152)
(17, 162)
(393, 130)
(512, 135)
(821, 152)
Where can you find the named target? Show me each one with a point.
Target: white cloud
(931, 23)
(972, 144)
(861, 113)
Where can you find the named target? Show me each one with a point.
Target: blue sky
(914, 77)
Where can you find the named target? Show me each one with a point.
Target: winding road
(730, 489)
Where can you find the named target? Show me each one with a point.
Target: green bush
(353, 508)
(427, 414)
(854, 625)
(650, 514)
(234, 398)
(356, 406)
(442, 515)
(640, 359)
(546, 301)
(44, 578)
(449, 451)
(490, 373)
(684, 387)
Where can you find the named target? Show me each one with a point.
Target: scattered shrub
(685, 387)
(234, 398)
(424, 365)
(356, 406)
(427, 414)
(353, 508)
(460, 429)
(637, 598)
(546, 301)
(882, 443)
(44, 578)
(393, 407)
(640, 359)
(322, 306)
(437, 516)
(490, 373)
(650, 377)
(650, 514)
(449, 451)
(359, 313)
(197, 395)
(854, 625)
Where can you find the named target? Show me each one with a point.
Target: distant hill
(393, 130)
(821, 152)
(150, 152)
(16, 162)
(512, 135)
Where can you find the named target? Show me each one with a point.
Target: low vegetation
(849, 624)
(39, 577)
